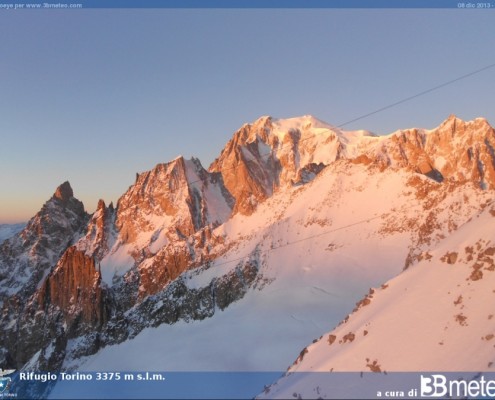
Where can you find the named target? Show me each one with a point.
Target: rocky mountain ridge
(26, 257)
(76, 283)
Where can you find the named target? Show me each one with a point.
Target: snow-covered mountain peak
(460, 129)
(271, 129)
(451, 119)
(455, 124)
(293, 222)
(273, 153)
(270, 154)
(305, 122)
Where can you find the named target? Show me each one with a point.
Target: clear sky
(94, 96)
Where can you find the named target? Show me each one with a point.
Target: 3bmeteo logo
(437, 385)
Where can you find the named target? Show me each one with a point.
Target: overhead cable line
(432, 89)
(417, 95)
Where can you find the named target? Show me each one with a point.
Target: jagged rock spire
(64, 192)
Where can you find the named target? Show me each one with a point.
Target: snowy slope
(319, 141)
(435, 316)
(320, 246)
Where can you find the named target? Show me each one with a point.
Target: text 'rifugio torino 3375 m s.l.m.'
(93, 376)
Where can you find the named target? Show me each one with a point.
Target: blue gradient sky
(94, 96)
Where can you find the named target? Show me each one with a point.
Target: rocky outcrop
(158, 270)
(164, 268)
(176, 193)
(464, 151)
(176, 302)
(159, 191)
(64, 193)
(457, 150)
(268, 154)
(99, 233)
(248, 167)
(308, 173)
(74, 287)
(69, 303)
(25, 258)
